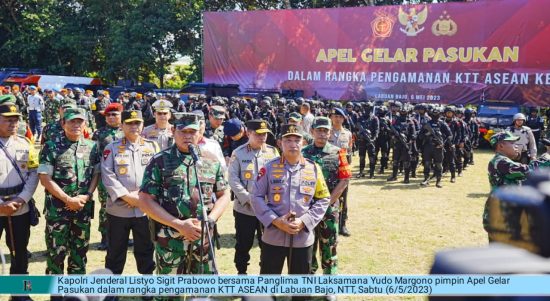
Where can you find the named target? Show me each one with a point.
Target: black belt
(10, 191)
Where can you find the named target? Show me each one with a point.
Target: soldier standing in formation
(169, 195)
(337, 172)
(161, 131)
(18, 181)
(103, 136)
(69, 172)
(290, 197)
(122, 166)
(403, 135)
(367, 129)
(434, 135)
(244, 165)
(342, 138)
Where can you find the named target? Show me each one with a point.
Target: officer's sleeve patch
(106, 154)
(321, 189)
(344, 170)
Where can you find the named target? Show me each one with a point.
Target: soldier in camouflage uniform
(214, 126)
(169, 195)
(69, 172)
(503, 170)
(52, 105)
(337, 172)
(103, 136)
(54, 131)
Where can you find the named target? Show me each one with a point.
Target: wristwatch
(90, 195)
(211, 223)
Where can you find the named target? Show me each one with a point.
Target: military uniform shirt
(505, 171)
(23, 152)
(71, 164)
(163, 137)
(281, 188)
(332, 160)
(244, 165)
(170, 178)
(122, 167)
(212, 150)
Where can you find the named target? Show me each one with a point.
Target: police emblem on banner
(382, 26)
(444, 26)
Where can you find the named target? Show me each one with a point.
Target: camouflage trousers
(103, 197)
(176, 256)
(67, 236)
(326, 240)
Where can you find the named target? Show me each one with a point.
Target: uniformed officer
(18, 181)
(290, 197)
(296, 119)
(169, 195)
(69, 172)
(503, 170)
(214, 126)
(122, 165)
(103, 136)
(244, 165)
(54, 131)
(342, 138)
(337, 172)
(161, 131)
(526, 143)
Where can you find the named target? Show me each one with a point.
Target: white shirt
(36, 102)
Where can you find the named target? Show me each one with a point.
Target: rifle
(399, 137)
(365, 134)
(435, 137)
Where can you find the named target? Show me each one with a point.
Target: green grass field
(396, 228)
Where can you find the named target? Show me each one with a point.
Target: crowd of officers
(285, 164)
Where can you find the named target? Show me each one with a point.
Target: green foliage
(133, 39)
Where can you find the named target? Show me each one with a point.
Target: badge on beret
(248, 175)
(277, 197)
(122, 170)
(133, 114)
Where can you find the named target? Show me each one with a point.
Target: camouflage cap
(71, 114)
(321, 122)
(217, 111)
(290, 130)
(183, 121)
(296, 116)
(132, 115)
(9, 109)
(502, 136)
(7, 98)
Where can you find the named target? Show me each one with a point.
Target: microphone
(193, 149)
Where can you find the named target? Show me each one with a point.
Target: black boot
(453, 178)
(407, 172)
(343, 230)
(438, 182)
(103, 245)
(414, 165)
(394, 174)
